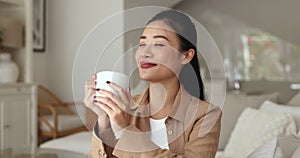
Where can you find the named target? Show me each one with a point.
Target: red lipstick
(146, 65)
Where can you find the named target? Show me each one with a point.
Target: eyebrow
(157, 36)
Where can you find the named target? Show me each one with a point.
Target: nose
(147, 51)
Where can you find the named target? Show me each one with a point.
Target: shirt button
(101, 153)
(170, 132)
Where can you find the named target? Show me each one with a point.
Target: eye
(159, 44)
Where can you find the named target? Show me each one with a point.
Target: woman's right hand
(90, 93)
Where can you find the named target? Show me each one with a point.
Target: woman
(171, 118)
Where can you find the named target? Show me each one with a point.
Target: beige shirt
(193, 129)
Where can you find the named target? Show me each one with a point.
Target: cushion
(219, 154)
(234, 104)
(254, 128)
(295, 100)
(280, 147)
(288, 144)
(65, 122)
(77, 142)
(296, 153)
(273, 107)
(278, 153)
(266, 150)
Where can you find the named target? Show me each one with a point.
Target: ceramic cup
(116, 77)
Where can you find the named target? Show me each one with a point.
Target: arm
(103, 142)
(101, 132)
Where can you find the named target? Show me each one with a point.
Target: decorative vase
(9, 71)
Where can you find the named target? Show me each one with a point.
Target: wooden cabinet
(18, 116)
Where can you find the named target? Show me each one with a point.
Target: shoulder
(207, 118)
(205, 108)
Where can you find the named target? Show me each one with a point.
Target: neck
(162, 97)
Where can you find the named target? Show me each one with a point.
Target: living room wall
(68, 22)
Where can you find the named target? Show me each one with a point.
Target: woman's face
(158, 57)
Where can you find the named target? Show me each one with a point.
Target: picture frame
(39, 26)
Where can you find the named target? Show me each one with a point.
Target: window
(268, 57)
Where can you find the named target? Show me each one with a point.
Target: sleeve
(199, 145)
(103, 143)
(119, 133)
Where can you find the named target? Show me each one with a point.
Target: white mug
(118, 78)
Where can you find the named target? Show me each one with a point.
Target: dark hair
(187, 35)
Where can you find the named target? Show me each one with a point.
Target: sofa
(257, 126)
(237, 138)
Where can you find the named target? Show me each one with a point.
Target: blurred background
(258, 40)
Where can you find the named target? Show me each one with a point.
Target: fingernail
(108, 82)
(98, 89)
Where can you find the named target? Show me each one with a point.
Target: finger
(120, 91)
(111, 96)
(105, 108)
(89, 92)
(97, 109)
(90, 84)
(128, 94)
(94, 77)
(107, 101)
(89, 97)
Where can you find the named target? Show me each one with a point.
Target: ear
(188, 56)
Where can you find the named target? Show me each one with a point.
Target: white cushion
(295, 100)
(288, 144)
(296, 153)
(254, 128)
(77, 142)
(273, 107)
(234, 105)
(266, 150)
(278, 153)
(219, 154)
(65, 122)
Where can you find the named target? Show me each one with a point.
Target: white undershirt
(159, 133)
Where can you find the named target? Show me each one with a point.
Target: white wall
(68, 22)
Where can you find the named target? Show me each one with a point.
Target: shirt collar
(179, 107)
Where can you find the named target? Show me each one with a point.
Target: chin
(155, 77)
(146, 77)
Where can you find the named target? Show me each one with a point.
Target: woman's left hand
(115, 106)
